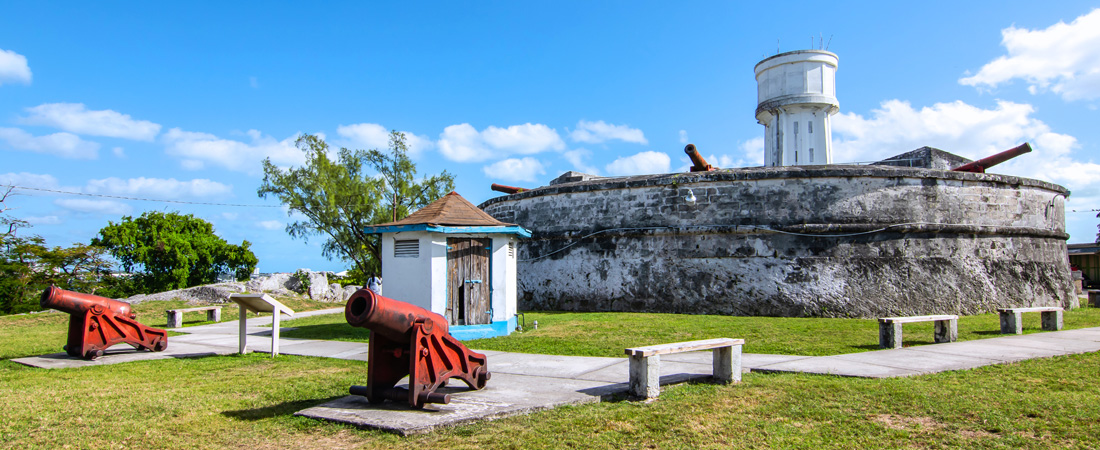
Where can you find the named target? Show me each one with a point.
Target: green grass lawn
(248, 401)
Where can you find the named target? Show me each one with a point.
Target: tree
(173, 251)
(340, 198)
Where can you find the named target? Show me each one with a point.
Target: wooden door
(468, 281)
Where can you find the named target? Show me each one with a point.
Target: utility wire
(145, 199)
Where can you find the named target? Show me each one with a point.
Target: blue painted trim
(515, 229)
(495, 329)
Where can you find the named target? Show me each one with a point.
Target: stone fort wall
(833, 241)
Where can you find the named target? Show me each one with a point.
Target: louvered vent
(511, 249)
(406, 249)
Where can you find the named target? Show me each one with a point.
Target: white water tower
(796, 94)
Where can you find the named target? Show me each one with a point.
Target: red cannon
(980, 165)
(96, 323)
(698, 163)
(409, 340)
(506, 189)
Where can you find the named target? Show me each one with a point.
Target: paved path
(527, 382)
(222, 338)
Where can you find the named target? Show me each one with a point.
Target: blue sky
(182, 101)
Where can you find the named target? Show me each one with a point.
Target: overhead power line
(120, 197)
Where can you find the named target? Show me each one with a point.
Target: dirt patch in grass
(906, 423)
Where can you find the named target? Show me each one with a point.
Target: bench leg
(889, 335)
(946, 331)
(1011, 323)
(645, 376)
(175, 319)
(1052, 320)
(243, 328)
(214, 315)
(727, 364)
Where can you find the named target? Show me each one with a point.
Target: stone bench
(175, 316)
(1011, 323)
(889, 329)
(645, 363)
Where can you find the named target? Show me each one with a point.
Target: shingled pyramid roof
(449, 210)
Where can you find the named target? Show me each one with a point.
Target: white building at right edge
(796, 94)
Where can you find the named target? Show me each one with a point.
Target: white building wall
(422, 281)
(405, 278)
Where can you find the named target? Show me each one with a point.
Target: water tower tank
(796, 94)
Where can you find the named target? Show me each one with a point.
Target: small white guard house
(453, 259)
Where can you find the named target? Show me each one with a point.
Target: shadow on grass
(281, 409)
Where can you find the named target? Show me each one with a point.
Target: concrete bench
(645, 363)
(889, 329)
(175, 316)
(1011, 323)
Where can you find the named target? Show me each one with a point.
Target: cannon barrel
(698, 163)
(507, 189)
(96, 323)
(980, 165)
(76, 303)
(407, 340)
(388, 317)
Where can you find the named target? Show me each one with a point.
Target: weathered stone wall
(845, 241)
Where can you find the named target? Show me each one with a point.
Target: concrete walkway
(527, 382)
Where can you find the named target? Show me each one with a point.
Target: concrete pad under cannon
(122, 353)
(505, 395)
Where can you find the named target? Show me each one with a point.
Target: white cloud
(577, 159)
(65, 145)
(957, 127)
(463, 143)
(1064, 58)
(512, 169)
(752, 152)
(43, 220)
(74, 118)
(42, 181)
(600, 131)
(230, 215)
(971, 132)
(108, 207)
(683, 136)
(648, 162)
(14, 68)
(158, 188)
(375, 136)
(270, 225)
(198, 150)
(119, 152)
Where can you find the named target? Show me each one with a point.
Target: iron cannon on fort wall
(980, 165)
(96, 323)
(698, 164)
(409, 340)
